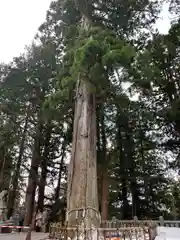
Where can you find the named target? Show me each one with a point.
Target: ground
(22, 236)
(168, 233)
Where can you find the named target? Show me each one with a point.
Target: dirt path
(22, 236)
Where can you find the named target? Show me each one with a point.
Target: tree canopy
(133, 72)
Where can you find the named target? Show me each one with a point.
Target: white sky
(20, 19)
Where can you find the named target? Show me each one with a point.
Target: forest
(106, 61)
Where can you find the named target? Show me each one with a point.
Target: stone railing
(135, 228)
(115, 223)
(79, 233)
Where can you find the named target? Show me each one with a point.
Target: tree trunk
(42, 184)
(2, 168)
(82, 199)
(44, 165)
(125, 208)
(57, 193)
(98, 146)
(105, 195)
(104, 168)
(122, 162)
(145, 174)
(15, 178)
(135, 199)
(6, 170)
(33, 174)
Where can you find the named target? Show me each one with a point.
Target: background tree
(102, 66)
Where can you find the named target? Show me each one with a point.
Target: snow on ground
(168, 233)
(22, 236)
(164, 233)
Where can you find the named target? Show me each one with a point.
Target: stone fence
(115, 223)
(125, 229)
(82, 233)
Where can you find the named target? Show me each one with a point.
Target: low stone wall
(81, 233)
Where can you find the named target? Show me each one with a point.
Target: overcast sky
(20, 19)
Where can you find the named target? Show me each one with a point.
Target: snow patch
(168, 233)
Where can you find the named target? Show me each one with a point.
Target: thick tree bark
(99, 172)
(104, 169)
(33, 175)
(44, 165)
(6, 170)
(132, 169)
(82, 175)
(42, 184)
(122, 172)
(15, 178)
(125, 208)
(105, 195)
(57, 193)
(2, 168)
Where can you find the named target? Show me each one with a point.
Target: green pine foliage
(137, 140)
